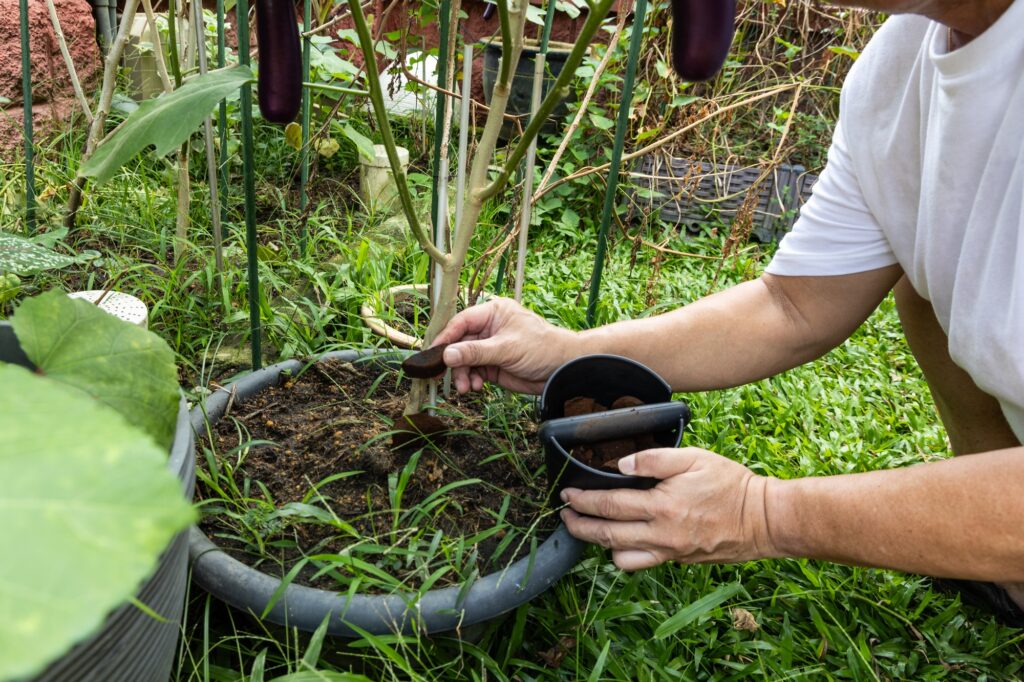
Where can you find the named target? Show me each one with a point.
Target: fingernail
(627, 464)
(564, 496)
(452, 357)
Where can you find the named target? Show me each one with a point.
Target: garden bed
(305, 472)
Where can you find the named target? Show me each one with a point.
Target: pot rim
(433, 611)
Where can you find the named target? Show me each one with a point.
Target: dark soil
(607, 453)
(339, 417)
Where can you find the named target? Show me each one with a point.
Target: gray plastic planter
(304, 607)
(132, 646)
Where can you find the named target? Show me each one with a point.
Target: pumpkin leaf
(88, 504)
(127, 368)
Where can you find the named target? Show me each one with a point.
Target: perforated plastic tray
(691, 193)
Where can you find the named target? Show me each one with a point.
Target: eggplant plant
(482, 185)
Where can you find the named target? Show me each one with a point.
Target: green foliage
(88, 505)
(127, 368)
(166, 121)
(23, 256)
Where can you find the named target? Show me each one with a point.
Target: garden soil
(339, 417)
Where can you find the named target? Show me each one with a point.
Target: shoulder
(887, 65)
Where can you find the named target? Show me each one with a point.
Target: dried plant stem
(584, 103)
(110, 69)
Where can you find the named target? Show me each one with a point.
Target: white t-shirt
(926, 169)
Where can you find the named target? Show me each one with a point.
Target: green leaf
(165, 121)
(601, 122)
(125, 367)
(87, 504)
(845, 51)
(322, 676)
(363, 144)
(708, 602)
(22, 256)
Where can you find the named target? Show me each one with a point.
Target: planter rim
(430, 612)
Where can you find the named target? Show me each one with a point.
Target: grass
(862, 407)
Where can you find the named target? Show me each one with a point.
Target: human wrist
(782, 517)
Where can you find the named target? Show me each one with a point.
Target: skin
(957, 518)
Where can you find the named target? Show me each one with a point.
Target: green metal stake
(307, 96)
(549, 20)
(613, 171)
(172, 39)
(249, 186)
(222, 119)
(26, 94)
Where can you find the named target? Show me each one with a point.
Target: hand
(706, 509)
(504, 343)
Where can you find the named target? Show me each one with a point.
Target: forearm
(961, 518)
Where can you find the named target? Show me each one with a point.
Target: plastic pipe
(26, 94)
(621, 125)
(249, 188)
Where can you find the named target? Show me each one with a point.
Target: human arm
(953, 518)
(748, 332)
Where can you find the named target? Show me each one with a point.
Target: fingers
(618, 505)
(477, 353)
(662, 462)
(611, 534)
(635, 559)
(472, 320)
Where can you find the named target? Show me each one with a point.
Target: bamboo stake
(72, 72)
(465, 105)
(531, 156)
(211, 160)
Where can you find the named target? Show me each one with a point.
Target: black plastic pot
(132, 646)
(604, 378)
(303, 607)
(521, 94)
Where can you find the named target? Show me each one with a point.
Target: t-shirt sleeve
(835, 234)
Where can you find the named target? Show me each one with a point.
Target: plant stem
(559, 89)
(172, 38)
(381, 116)
(447, 297)
(110, 69)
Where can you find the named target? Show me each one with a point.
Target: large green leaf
(87, 505)
(166, 121)
(23, 256)
(126, 367)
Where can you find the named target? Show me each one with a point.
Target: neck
(966, 20)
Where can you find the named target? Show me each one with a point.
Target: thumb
(662, 462)
(474, 353)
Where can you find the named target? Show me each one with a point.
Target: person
(922, 194)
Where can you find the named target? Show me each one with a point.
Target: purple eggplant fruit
(701, 36)
(280, 73)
